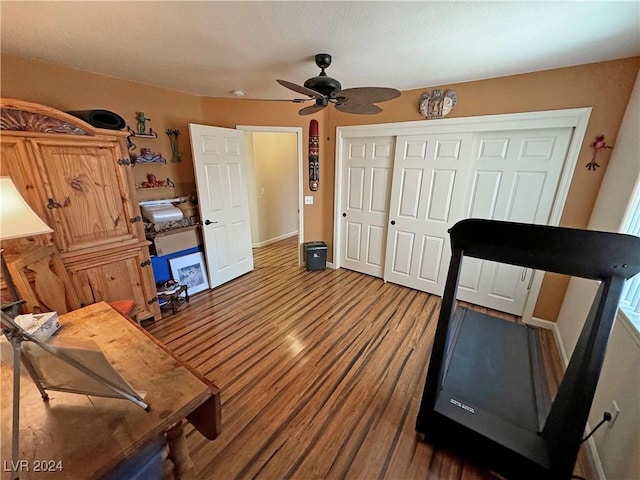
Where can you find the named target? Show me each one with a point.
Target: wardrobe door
(87, 192)
(18, 164)
(115, 275)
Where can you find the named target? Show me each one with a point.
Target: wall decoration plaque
(436, 104)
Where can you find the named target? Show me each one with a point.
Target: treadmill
(486, 394)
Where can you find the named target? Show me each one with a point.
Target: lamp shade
(17, 219)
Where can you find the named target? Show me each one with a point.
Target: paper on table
(55, 374)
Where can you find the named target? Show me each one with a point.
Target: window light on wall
(630, 301)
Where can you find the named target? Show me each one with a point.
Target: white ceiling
(212, 48)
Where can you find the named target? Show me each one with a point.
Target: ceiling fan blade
(367, 95)
(359, 109)
(311, 109)
(300, 89)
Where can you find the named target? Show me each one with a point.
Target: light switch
(308, 200)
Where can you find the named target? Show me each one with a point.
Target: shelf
(144, 135)
(133, 133)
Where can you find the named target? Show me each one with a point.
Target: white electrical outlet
(615, 411)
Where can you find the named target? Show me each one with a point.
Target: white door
(221, 180)
(515, 176)
(428, 188)
(366, 183)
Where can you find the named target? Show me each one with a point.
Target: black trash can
(315, 255)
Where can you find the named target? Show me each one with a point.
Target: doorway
(274, 177)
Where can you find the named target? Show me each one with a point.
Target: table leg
(179, 453)
(174, 305)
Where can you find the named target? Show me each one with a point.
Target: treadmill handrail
(581, 253)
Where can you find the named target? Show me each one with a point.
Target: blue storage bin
(147, 464)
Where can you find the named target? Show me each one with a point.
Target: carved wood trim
(33, 118)
(20, 120)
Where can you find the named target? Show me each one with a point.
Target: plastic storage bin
(315, 255)
(146, 464)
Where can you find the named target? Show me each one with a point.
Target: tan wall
(69, 89)
(604, 86)
(275, 158)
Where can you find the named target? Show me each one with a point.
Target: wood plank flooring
(321, 374)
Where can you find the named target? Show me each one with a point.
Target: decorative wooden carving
(20, 120)
(436, 104)
(314, 150)
(52, 289)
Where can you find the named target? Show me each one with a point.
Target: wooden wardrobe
(78, 179)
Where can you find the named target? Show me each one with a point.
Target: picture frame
(190, 270)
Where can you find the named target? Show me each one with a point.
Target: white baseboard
(553, 326)
(274, 240)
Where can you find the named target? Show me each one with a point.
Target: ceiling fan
(326, 90)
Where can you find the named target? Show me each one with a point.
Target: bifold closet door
(427, 193)
(366, 185)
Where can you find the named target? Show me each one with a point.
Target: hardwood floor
(321, 374)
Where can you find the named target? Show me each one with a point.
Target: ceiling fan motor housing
(322, 83)
(325, 85)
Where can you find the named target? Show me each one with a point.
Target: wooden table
(91, 435)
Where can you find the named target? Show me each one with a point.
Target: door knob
(208, 222)
(393, 222)
(344, 214)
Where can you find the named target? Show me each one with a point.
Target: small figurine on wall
(597, 145)
(153, 182)
(141, 130)
(147, 156)
(142, 123)
(173, 133)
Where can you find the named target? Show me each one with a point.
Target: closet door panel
(516, 175)
(429, 181)
(366, 186)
